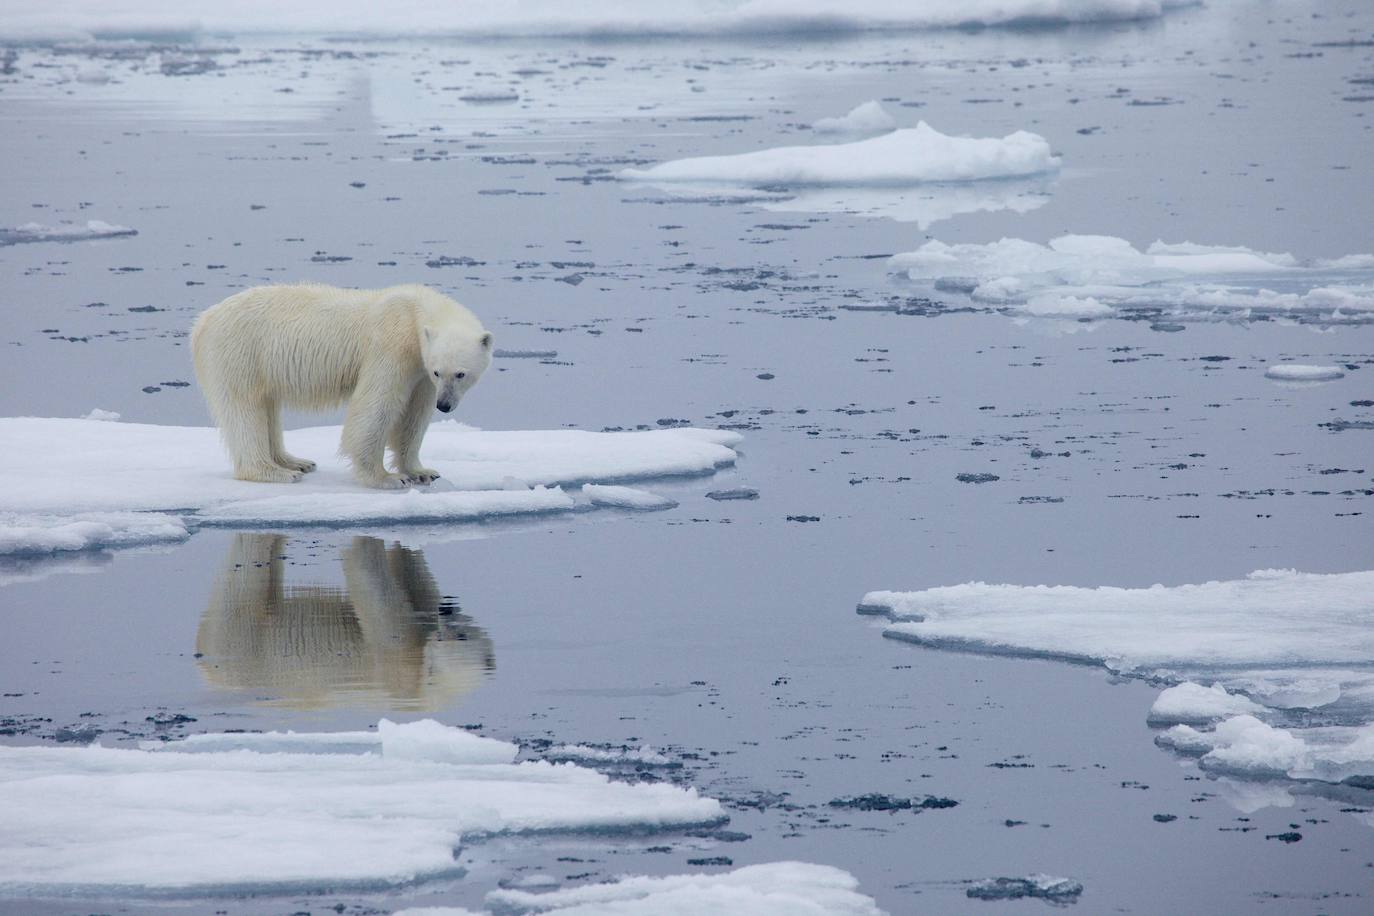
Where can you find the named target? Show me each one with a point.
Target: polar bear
(392, 354)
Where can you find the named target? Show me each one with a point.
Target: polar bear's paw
(420, 476)
(386, 481)
(304, 465)
(269, 474)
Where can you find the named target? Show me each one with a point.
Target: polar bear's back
(302, 345)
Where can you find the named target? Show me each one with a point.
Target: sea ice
(281, 812)
(63, 468)
(1288, 641)
(64, 232)
(1104, 272)
(1292, 372)
(773, 889)
(868, 118)
(902, 157)
(33, 534)
(644, 755)
(625, 497)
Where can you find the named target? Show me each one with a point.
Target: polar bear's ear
(486, 340)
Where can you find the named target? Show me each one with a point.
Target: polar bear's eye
(436, 373)
(460, 375)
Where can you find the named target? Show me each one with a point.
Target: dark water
(723, 633)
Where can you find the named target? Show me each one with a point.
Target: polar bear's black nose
(445, 406)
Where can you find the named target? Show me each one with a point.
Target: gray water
(722, 632)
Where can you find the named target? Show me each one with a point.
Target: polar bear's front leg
(409, 432)
(377, 401)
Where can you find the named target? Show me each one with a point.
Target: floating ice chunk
(1054, 306)
(1189, 702)
(1047, 887)
(644, 755)
(774, 889)
(625, 497)
(65, 232)
(1293, 372)
(105, 467)
(903, 157)
(33, 534)
(525, 354)
(1246, 746)
(98, 414)
(733, 493)
(868, 118)
(271, 817)
(1271, 617)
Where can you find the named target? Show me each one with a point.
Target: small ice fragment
(734, 493)
(1293, 372)
(525, 354)
(1047, 887)
(98, 414)
(625, 497)
(644, 755)
(1189, 702)
(870, 117)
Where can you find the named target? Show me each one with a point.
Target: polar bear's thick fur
(393, 354)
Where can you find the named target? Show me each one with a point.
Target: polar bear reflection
(388, 638)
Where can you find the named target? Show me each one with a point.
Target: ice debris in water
(908, 156)
(733, 493)
(1091, 274)
(288, 811)
(772, 889)
(868, 118)
(625, 497)
(645, 755)
(1293, 372)
(1252, 652)
(1046, 887)
(65, 232)
(105, 467)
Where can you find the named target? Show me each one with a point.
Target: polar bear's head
(456, 350)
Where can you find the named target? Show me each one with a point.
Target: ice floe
(868, 118)
(63, 232)
(773, 889)
(625, 497)
(1292, 372)
(1285, 660)
(29, 19)
(236, 813)
(1045, 887)
(1104, 273)
(902, 157)
(62, 480)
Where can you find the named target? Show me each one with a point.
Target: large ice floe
(1281, 662)
(241, 813)
(774, 889)
(76, 484)
(83, 18)
(1093, 276)
(915, 175)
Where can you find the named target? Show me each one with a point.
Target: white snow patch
(63, 232)
(1292, 372)
(868, 118)
(69, 467)
(34, 534)
(30, 19)
(1113, 273)
(773, 889)
(254, 816)
(625, 497)
(1189, 702)
(902, 157)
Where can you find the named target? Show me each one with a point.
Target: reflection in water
(388, 638)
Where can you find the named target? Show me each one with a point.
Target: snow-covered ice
(625, 497)
(64, 468)
(29, 19)
(255, 813)
(33, 534)
(1294, 372)
(902, 157)
(1273, 644)
(773, 889)
(868, 118)
(1104, 272)
(63, 232)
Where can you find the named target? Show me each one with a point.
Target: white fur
(392, 354)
